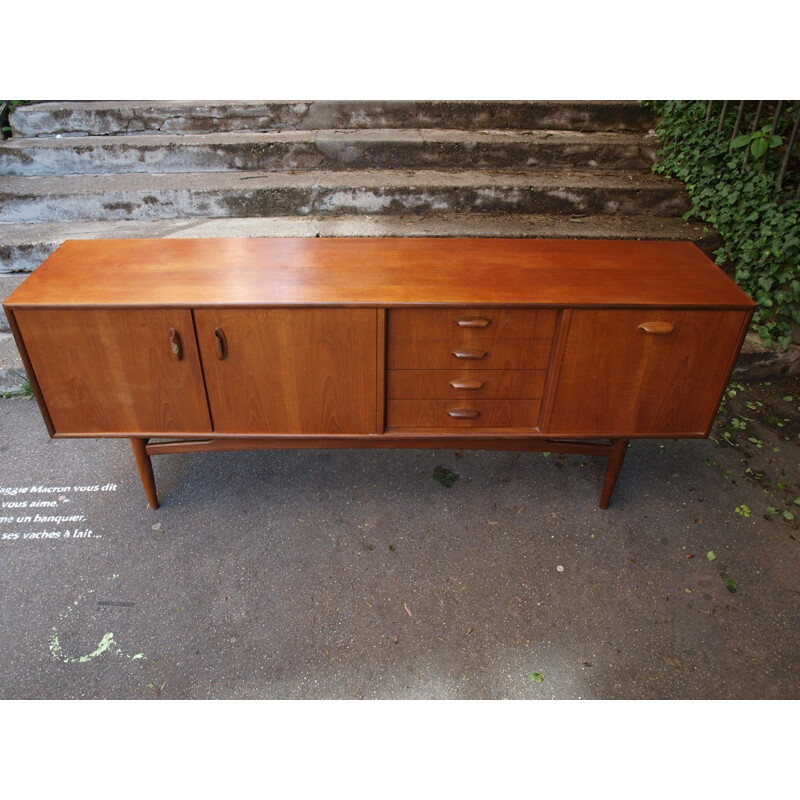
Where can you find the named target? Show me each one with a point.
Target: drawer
(476, 324)
(452, 353)
(445, 384)
(474, 413)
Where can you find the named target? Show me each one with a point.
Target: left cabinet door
(117, 371)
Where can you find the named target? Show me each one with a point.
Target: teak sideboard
(216, 344)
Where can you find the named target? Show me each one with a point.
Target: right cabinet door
(643, 372)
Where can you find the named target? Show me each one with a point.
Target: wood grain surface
(471, 324)
(304, 371)
(446, 384)
(378, 272)
(517, 413)
(103, 371)
(441, 354)
(616, 379)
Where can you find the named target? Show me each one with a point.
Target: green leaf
(765, 283)
(711, 555)
(731, 585)
(743, 510)
(788, 515)
(759, 147)
(537, 677)
(796, 501)
(445, 476)
(758, 227)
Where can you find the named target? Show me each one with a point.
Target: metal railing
(776, 138)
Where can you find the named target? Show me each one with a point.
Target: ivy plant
(759, 141)
(5, 109)
(758, 223)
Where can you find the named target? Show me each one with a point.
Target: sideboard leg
(619, 449)
(145, 470)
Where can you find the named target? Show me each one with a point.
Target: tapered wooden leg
(145, 470)
(619, 449)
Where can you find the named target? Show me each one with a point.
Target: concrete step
(114, 117)
(229, 194)
(24, 247)
(328, 149)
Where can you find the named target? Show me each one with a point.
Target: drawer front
(455, 353)
(442, 384)
(473, 413)
(471, 324)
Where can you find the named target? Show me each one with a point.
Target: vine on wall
(729, 190)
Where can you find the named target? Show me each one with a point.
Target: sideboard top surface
(377, 272)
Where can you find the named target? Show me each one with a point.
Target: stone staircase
(116, 169)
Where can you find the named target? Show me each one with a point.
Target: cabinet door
(290, 371)
(644, 372)
(120, 371)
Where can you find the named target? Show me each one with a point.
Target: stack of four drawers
(481, 368)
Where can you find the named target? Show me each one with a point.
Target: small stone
(157, 526)
(559, 568)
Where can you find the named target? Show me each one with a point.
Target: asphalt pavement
(356, 574)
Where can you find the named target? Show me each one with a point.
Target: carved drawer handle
(221, 344)
(470, 354)
(466, 384)
(175, 344)
(473, 322)
(464, 413)
(657, 327)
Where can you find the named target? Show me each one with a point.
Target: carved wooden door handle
(221, 344)
(464, 413)
(661, 328)
(472, 322)
(466, 384)
(469, 353)
(176, 345)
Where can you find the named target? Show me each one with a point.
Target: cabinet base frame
(614, 449)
